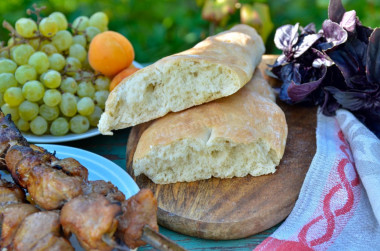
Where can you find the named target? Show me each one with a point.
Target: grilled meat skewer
(50, 182)
(53, 183)
(23, 227)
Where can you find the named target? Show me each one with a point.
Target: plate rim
(50, 139)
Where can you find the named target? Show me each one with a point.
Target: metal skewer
(159, 241)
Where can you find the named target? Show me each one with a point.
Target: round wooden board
(239, 207)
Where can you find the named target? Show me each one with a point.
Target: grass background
(158, 28)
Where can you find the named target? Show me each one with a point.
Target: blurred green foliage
(158, 28)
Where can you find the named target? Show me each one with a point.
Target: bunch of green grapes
(46, 82)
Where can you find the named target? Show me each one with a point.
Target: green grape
(13, 96)
(35, 43)
(7, 66)
(95, 116)
(49, 49)
(86, 65)
(40, 61)
(73, 65)
(25, 73)
(85, 106)
(79, 124)
(44, 42)
(51, 79)
(42, 76)
(52, 97)
(11, 41)
(21, 53)
(48, 27)
(39, 125)
(28, 110)
(69, 85)
(4, 54)
(26, 27)
(59, 127)
(99, 20)
(68, 105)
(77, 51)
(86, 89)
(33, 90)
(23, 125)
(102, 83)
(7, 80)
(1, 99)
(80, 23)
(62, 40)
(49, 113)
(100, 98)
(60, 19)
(80, 39)
(91, 32)
(13, 111)
(57, 62)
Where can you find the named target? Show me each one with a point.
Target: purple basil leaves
(298, 92)
(308, 29)
(293, 45)
(373, 57)
(337, 67)
(305, 43)
(336, 10)
(349, 21)
(286, 37)
(334, 34)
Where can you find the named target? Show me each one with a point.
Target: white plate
(57, 139)
(68, 137)
(99, 168)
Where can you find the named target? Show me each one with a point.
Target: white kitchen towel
(339, 203)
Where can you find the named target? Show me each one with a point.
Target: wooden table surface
(114, 149)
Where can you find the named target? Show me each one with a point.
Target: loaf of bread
(216, 67)
(234, 136)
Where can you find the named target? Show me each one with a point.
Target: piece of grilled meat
(92, 218)
(10, 193)
(12, 210)
(51, 182)
(138, 211)
(104, 188)
(9, 136)
(12, 217)
(40, 231)
(50, 188)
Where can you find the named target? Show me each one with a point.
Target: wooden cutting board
(239, 207)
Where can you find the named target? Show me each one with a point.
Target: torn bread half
(238, 135)
(216, 67)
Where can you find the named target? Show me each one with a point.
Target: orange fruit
(121, 75)
(110, 52)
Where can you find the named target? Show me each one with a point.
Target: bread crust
(249, 116)
(234, 53)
